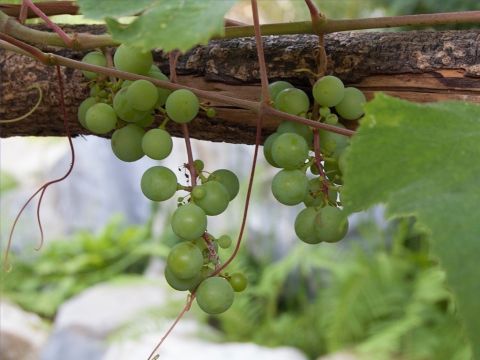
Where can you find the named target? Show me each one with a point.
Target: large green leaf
(163, 24)
(424, 160)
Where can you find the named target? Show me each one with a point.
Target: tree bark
(416, 65)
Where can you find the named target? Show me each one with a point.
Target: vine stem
(44, 187)
(258, 135)
(28, 4)
(10, 26)
(185, 309)
(254, 106)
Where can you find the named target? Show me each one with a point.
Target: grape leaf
(424, 160)
(163, 24)
(95, 9)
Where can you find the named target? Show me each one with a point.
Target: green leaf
(163, 24)
(424, 160)
(95, 9)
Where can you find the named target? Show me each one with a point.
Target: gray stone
(185, 343)
(22, 334)
(106, 307)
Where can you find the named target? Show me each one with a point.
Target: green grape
(126, 83)
(289, 187)
(305, 226)
(215, 295)
(332, 171)
(314, 196)
(267, 149)
(157, 144)
(216, 198)
(182, 284)
(94, 90)
(328, 91)
(182, 106)
(342, 162)
(351, 107)
(132, 60)
(224, 241)
(142, 95)
(296, 128)
(332, 144)
(189, 221)
(331, 119)
(324, 111)
(289, 150)
(275, 87)
(159, 183)
(211, 113)
(124, 110)
(127, 143)
(94, 58)
(198, 165)
(82, 110)
(228, 179)
(331, 224)
(238, 281)
(292, 101)
(185, 260)
(198, 192)
(162, 93)
(100, 118)
(314, 169)
(146, 121)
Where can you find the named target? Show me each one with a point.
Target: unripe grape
(185, 260)
(331, 119)
(305, 226)
(157, 144)
(124, 109)
(198, 165)
(224, 241)
(328, 91)
(331, 224)
(324, 111)
(296, 128)
(215, 200)
(267, 149)
(162, 93)
(100, 118)
(289, 187)
(198, 192)
(82, 110)
(94, 58)
(215, 295)
(238, 281)
(293, 101)
(228, 179)
(182, 106)
(142, 95)
(351, 106)
(189, 221)
(289, 150)
(132, 60)
(314, 196)
(275, 87)
(126, 143)
(182, 284)
(159, 183)
(332, 144)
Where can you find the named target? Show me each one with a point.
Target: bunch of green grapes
(291, 148)
(128, 109)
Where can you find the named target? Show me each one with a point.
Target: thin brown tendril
(40, 97)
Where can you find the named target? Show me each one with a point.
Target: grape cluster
(128, 109)
(291, 148)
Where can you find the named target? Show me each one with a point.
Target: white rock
(22, 334)
(106, 307)
(185, 343)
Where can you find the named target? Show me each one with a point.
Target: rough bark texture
(416, 65)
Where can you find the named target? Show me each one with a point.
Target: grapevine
(128, 91)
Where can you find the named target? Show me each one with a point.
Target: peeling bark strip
(415, 65)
